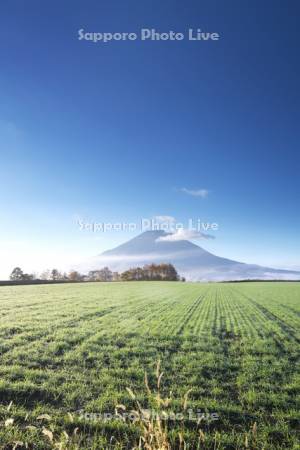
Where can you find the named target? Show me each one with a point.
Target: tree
(92, 275)
(74, 276)
(17, 274)
(169, 272)
(116, 276)
(28, 276)
(55, 275)
(46, 275)
(127, 275)
(104, 274)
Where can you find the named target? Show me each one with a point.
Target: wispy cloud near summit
(184, 234)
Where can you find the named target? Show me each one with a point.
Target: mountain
(190, 260)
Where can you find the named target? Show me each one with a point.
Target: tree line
(149, 272)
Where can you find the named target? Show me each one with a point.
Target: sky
(115, 132)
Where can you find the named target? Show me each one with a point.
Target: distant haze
(190, 260)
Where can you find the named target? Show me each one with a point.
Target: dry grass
(154, 427)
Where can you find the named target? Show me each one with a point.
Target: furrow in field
(270, 317)
(202, 323)
(189, 314)
(254, 319)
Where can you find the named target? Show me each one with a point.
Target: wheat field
(216, 365)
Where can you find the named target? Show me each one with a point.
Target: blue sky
(113, 132)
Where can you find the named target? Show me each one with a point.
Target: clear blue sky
(112, 132)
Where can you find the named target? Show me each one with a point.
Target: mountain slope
(190, 260)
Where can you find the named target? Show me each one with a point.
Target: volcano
(191, 261)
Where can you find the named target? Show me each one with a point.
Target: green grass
(71, 347)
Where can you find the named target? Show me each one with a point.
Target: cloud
(202, 193)
(164, 219)
(182, 234)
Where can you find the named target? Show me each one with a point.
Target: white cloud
(183, 234)
(165, 219)
(202, 193)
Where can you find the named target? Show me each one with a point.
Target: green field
(69, 352)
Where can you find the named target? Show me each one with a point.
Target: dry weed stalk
(154, 427)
